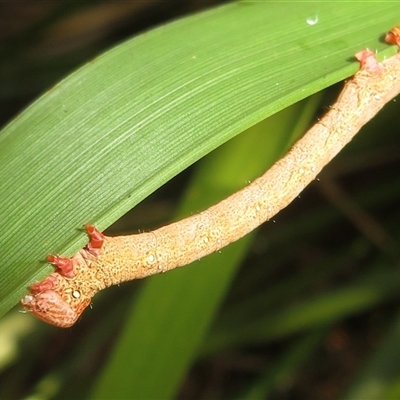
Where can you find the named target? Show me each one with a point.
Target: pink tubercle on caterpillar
(368, 61)
(62, 297)
(393, 36)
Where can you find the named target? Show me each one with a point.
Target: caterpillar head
(55, 302)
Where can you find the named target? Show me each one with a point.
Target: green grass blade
(327, 308)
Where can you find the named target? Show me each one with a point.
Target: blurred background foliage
(308, 307)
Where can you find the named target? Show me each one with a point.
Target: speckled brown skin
(106, 261)
(60, 300)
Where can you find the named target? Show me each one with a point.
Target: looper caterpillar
(61, 297)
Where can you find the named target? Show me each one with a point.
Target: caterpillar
(61, 297)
